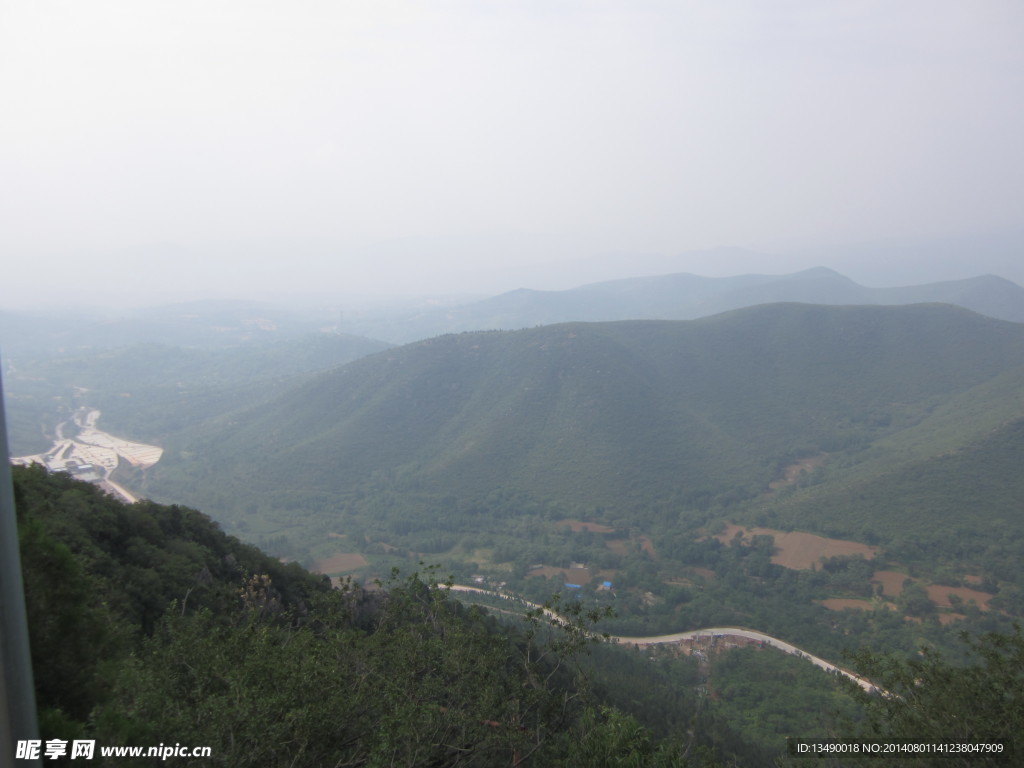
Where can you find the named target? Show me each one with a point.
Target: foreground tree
(402, 677)
(929, 699)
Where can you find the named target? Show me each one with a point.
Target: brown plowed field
(891, 581)
(618, 546)
(939, 595)
(800, 551)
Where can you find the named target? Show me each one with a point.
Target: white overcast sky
(170, 148)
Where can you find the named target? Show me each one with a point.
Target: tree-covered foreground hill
(150, 626)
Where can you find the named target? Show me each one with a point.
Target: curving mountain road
(710, 632)
(750, 634)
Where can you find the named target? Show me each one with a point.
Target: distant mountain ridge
(685, 296)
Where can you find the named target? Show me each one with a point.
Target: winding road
(694, 634)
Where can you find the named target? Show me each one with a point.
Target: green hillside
(964, 506)
(622, 417)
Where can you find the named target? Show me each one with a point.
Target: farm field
(797, 550)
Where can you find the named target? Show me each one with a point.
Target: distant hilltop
(684, 296)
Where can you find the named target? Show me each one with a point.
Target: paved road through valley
(710, 632)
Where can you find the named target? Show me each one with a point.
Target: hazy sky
(175, 147)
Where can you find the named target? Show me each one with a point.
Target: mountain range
(618, 416)
(685, 297)
(213, 324)
(611, 449)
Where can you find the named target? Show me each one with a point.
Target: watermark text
(85, 749)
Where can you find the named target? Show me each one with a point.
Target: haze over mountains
(152, 389)
(200, 324)
(677, 296)
(685, 297)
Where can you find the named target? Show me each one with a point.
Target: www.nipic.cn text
(34, 749)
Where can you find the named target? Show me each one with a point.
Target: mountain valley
(841, 477)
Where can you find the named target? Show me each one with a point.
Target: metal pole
(17, 692)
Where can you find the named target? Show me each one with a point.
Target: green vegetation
(976, 700)
(629, 417)
(104, 573)
(769, 696)
(148, 625)
(469, 450)
(483, 452)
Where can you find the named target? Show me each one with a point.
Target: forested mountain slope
(629, 417)
(961, 506)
